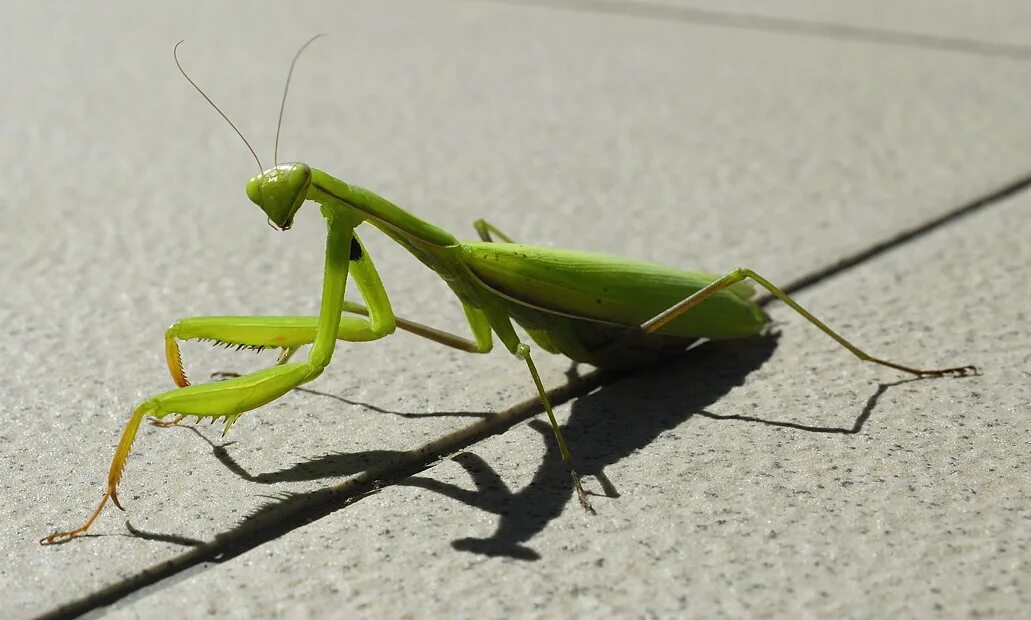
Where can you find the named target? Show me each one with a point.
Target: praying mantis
(592, 308)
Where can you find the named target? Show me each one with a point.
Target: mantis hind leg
(655, 324)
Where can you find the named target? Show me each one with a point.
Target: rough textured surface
(740, 487)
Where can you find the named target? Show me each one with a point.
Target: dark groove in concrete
(296, 511)
(786, 25)
(1010, 189)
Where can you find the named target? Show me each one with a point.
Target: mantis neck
(394, 221)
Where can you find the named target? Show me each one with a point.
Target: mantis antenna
(286, 88)
(175, 55)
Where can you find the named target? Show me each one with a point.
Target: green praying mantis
(597, 309)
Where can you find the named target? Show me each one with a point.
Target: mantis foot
(581, 494)
(169, 424)
(62, 537)
(959, 371)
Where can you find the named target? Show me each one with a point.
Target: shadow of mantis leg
(656, 324)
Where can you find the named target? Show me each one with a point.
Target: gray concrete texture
(773, 477)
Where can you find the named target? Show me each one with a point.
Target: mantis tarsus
(592, 308)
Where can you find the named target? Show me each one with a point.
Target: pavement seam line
(786, 25)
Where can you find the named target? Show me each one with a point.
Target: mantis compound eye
(280, 191)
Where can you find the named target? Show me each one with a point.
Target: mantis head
(280, 191)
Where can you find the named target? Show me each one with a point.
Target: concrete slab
(662, 141)
(816, 488)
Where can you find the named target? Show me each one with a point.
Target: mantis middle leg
(481, 327)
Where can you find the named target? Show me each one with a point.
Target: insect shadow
(335, 465)
(605, 426)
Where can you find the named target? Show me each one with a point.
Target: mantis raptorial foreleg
(231, 398)
(289, 332)
(655, 324)
(177, 373)
(260, 332)
(301, 330)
